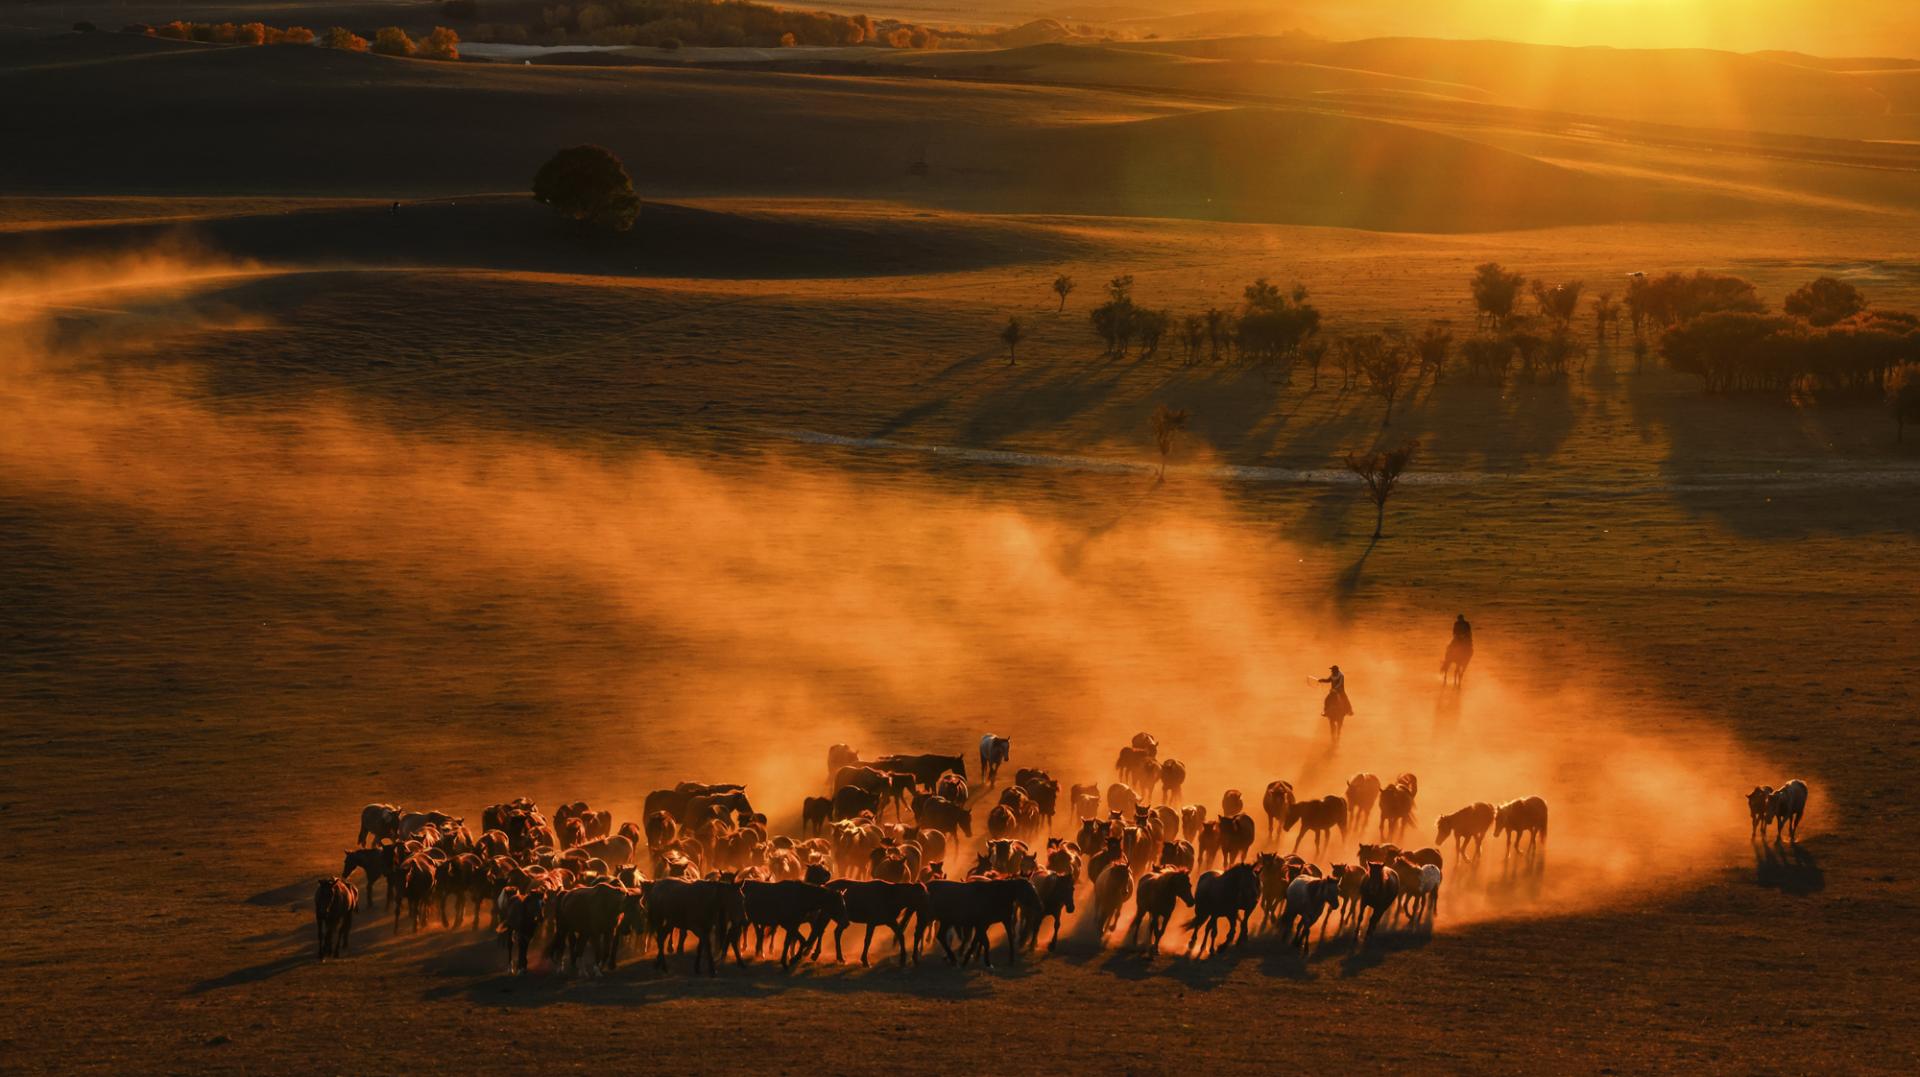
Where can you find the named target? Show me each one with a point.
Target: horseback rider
(1462, 631)
(1337, 705)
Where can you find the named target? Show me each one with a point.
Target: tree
(1012, 334)
(1193, 329)
(1381, 472)
(345, 40)
(1152, 326)
(1115, 319)
(442, 44)
(1167, 424)
(1903, 397)
(1606, 313)
(1273, 324)
(1824, 302)
(1433, 344)
(1314, 354)
(588, 185)
(1384, 364)
(392, 41)
(1063, 287)
(1495, 291)
(1218, 333)
(1558, 302)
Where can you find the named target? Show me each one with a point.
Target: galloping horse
(993, 752)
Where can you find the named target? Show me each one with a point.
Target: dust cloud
(798, 605)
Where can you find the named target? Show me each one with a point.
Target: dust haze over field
(803, 607)
(334, 469)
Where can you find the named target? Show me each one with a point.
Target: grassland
(308, 502)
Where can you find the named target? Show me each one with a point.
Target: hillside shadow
(1788, 868)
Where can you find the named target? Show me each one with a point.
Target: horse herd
(702, 865)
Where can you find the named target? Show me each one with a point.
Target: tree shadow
(1788, 868)
(1349, 579)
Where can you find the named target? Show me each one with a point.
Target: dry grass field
(307, 501)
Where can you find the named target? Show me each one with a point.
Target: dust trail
(801, 607)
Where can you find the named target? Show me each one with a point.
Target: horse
(1469, 824)
(1396, 806)
(993, 752)
(1363, 791)
(1524, 817)
(1453, 667)
(1229, 895)
(1275, 802)
(333, 903)
(1320, 817)
(1154, 903)
(1787, 805)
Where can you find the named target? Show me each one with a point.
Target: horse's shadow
(1362, 956)
(1788, 868)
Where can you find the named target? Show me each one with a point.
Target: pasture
(307, 502)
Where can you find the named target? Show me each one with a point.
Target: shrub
(441, 44)
(177, 30)
(292, 35)
(1495, 291)
(345, 40)
(1825, 301)
(392, 41)
(251, 33)
(590, 186)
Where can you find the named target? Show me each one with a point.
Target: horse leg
(865, 946)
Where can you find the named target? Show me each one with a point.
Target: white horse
(993, 752)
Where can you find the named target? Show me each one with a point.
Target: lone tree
(590, 186)
(1012, 334)
(1381, 472)
(1495, 291)
(1063, 287)
(1903, 397)
(1167, 424)
(1824, 302)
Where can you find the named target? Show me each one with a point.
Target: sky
(1822, 27)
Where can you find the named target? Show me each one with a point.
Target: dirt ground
(308, 503)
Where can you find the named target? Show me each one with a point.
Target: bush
(177, 30)
(251, 33)
(590, 186)
(1743, 352)
(392, 41)
(345, 40)
(1824, 302)
(442, 44)
(292, 35)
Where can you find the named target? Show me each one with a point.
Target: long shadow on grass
(1789, 869)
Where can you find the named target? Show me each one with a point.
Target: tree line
(441, 43)
(673, 23)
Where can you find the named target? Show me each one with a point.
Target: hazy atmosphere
(724, 537)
